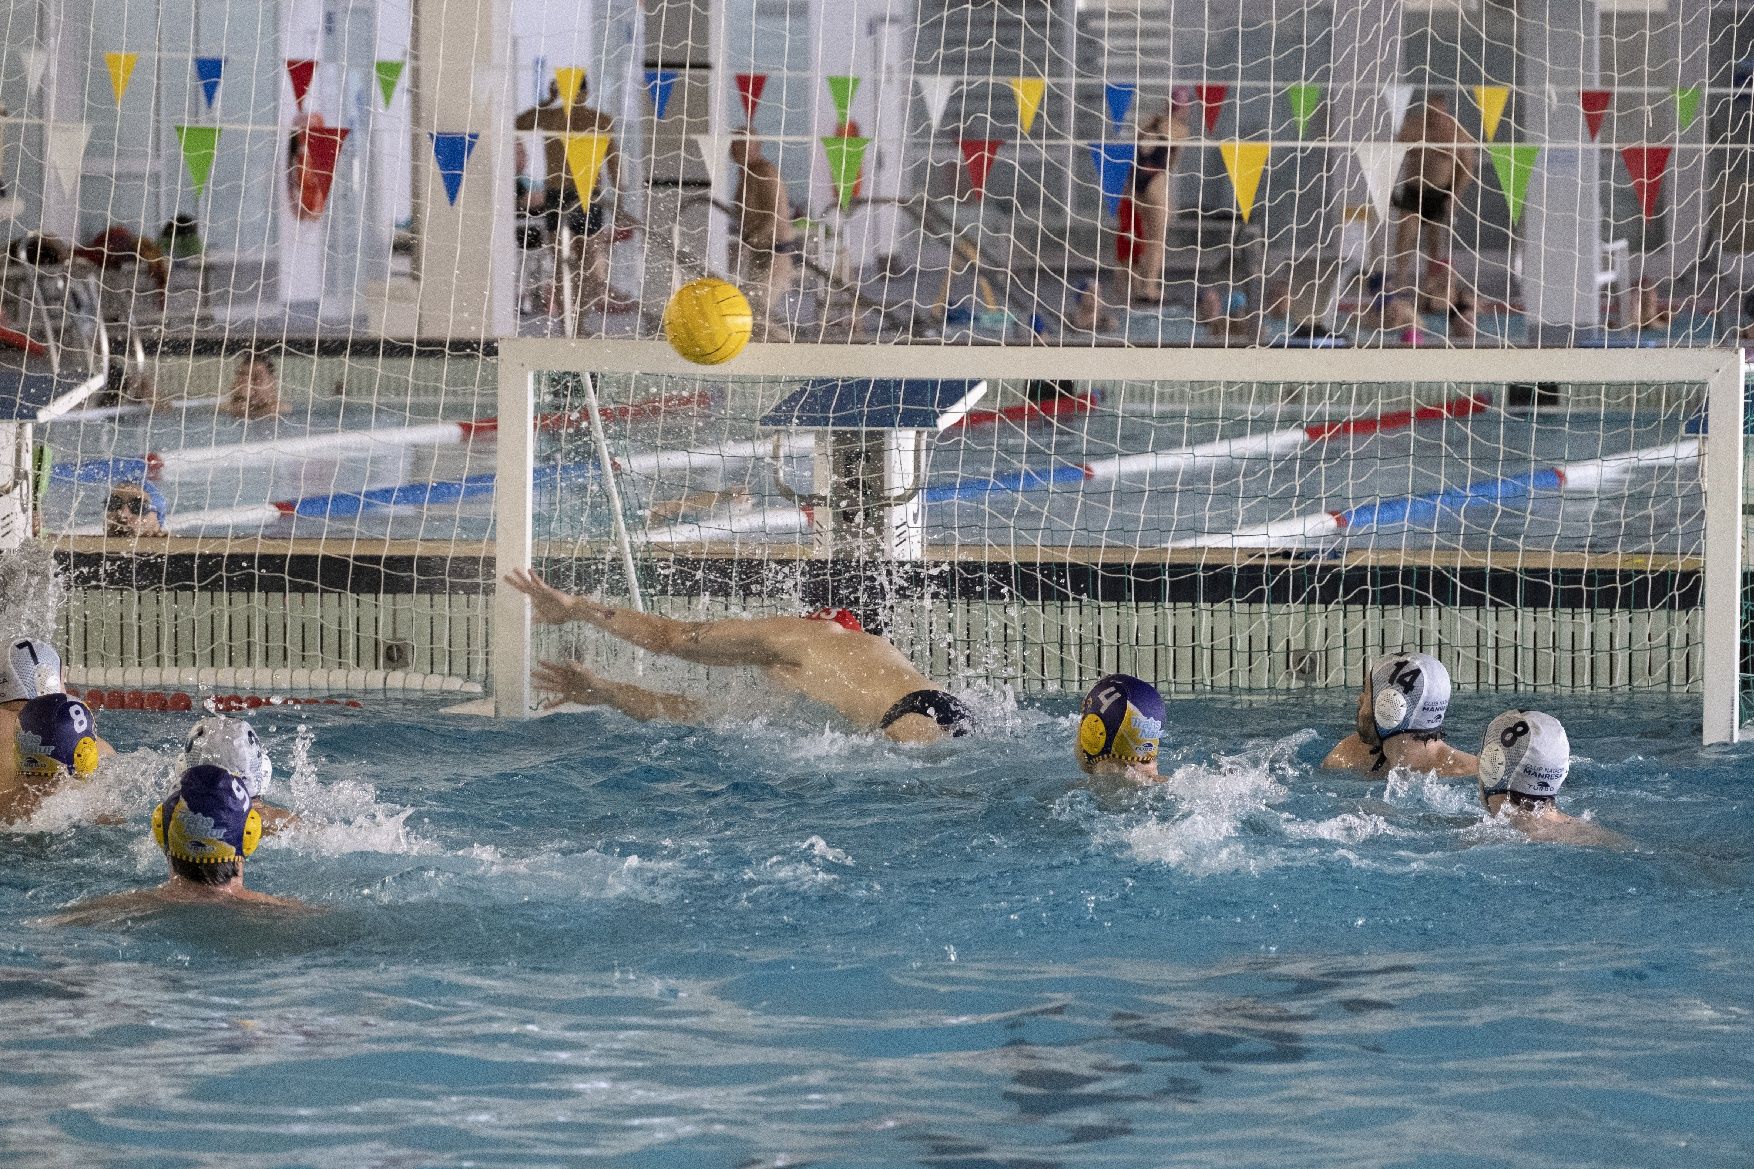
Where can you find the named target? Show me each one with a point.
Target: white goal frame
(1722, 371)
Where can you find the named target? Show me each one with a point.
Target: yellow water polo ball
(708, 321)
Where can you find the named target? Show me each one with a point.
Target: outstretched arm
(571, 682)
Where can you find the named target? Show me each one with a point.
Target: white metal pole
(612, 491)
(1722, 721)
(513, 509)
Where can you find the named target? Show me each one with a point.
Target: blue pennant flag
(207, 71)
(1119, 96)
(451, 151)
(1114, 162)
(659, 82)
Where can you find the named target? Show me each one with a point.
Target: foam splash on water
(338, 816)
(30, 592)
(123, 791)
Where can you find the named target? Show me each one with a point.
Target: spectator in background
(116, 246)
(1225, 317)
(254, 391)
(766, 247)
(134, 510)
(180, 238)
(1147, 207)
(1441, 163)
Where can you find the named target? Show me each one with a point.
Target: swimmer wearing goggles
(206, 829)
(1524, 761)
(826, 656)
(1400, 721)
(1120, 725)
(54, 743)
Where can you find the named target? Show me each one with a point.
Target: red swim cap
(841, 617)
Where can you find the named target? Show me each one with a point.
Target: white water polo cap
(1408, 692)
(30, 669)
(1526, 753)
(230, 743)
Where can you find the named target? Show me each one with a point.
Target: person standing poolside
(1524, 760)
(54, 741)
(1119, 730)
(826, 656)
(1438, 170)
(766, 247)
(206, 828)
(28, 669)
(1400, 721)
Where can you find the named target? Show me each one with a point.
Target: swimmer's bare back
(124, 907)
(860, 675)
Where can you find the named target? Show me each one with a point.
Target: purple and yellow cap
(56, 731)
(207, 819)
(1122, 720)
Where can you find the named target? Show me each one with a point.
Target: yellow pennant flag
(1244, 162)
(584, 157)
(1491, 99)
(1028, 91)
(571, 79)
(121, 69)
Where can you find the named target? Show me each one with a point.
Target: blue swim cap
(207, 819)
(1123, 720)
(55, 730)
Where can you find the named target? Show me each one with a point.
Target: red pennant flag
(1595, 108)
(749, 86)
(1646, 165)
(1212, 100)
(978, 155)
(300, 70)
(316, 169)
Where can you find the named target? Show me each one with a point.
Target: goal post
(1555, 519)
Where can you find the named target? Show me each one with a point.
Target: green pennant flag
(1686, 106)
(842, 89)
(846, 158)
(200, 144)
(1514, 165)
(389, 73)
(1303, 99)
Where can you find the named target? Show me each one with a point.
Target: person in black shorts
(1442, 159)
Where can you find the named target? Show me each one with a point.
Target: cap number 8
(1512, 733)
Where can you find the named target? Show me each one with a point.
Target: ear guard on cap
(841, 617)
(176, 840)
(1123, 721)
(1409, 692)
(1525, 753)
(208, 819)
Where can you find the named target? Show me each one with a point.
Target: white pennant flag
(36, 60)
(1399, 95)
(1381, 164)
(714, 152)
(936, 92)
(64, 147)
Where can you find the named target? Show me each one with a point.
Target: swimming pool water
(584, 939)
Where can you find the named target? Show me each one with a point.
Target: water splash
(31, 592)
(340, 815)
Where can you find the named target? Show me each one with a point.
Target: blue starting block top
(856, 403)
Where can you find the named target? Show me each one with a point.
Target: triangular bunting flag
(207, 71)
(1595, 107)
(299, 71)
(64, 151)
(322, 147)
(1491, 99)
(1398, 95)
(1244, 162)
(1212, 101)
(846, 159)
(1114, 165)
(1514, 165)
(200, 144)
(389, 73)
(584, 158)
(749, 87)
(451, 151)
(935, 92)
(1029, 91)
(714, 156)
(569, 79)
(36, 62)
(841, 90)
(121, 67)
(1646, 165)
(1380, 163)
(978, 155)
(659, 83)
(1303, 100)
(1686, 106)
(1118, 96)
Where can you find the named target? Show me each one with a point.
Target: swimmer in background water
(28, 669)
(1523, 764)
(232, 745)
(1400, 721)
(205, 828)
(1119, 730)
(54, 742)
(826, 656)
